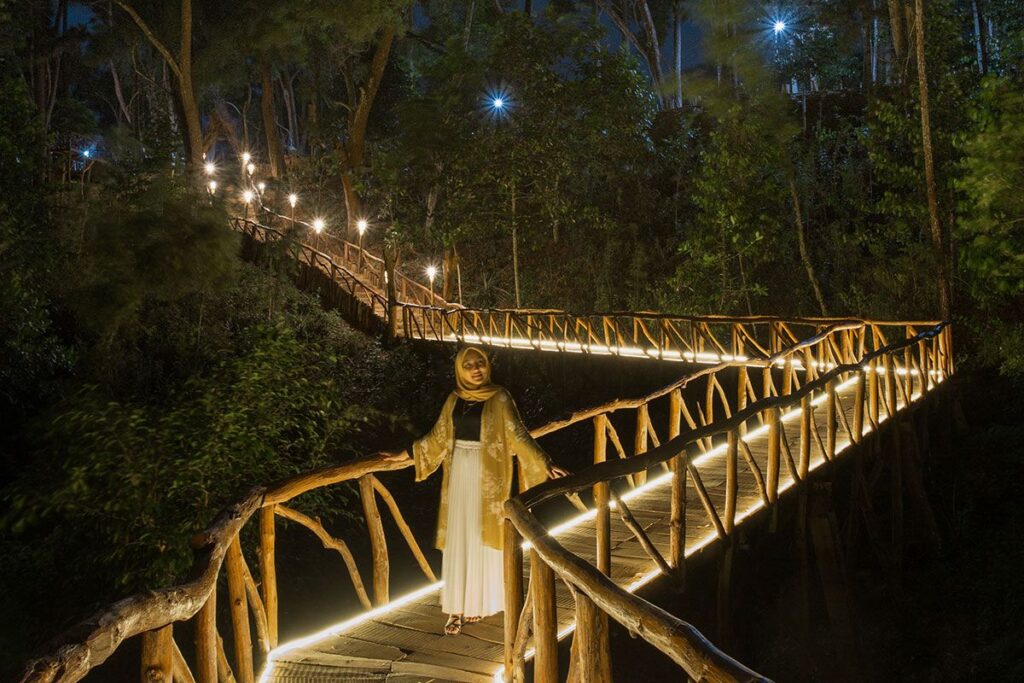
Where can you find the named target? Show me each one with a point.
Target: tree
(935, 223)
(181, 67)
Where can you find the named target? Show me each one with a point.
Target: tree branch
(151, 37)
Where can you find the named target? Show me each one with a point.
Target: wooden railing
(886, 378)
(777, 381)
(362, 263)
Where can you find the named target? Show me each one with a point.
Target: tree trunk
(938, 243)
(355, 144)
(805, 256)
(677, 17)
(980, 36)
(275, 152)
(899, 45)
(189, 107)
(515, 249)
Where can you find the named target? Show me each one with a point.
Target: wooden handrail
(614, 469)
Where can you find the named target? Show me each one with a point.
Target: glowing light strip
(337, 629)
(595, 349)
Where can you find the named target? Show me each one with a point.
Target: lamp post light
(293, 199)
(213, 186)
(246, 158)
(209, 168)
(318, 227)
(261, 186)
(251, 168)
(431, 274)
(247, 199)
(361, 226)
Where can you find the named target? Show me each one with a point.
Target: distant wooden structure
(709, 453)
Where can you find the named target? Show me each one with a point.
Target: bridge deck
(405, 642)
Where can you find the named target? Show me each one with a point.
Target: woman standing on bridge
(475, 438)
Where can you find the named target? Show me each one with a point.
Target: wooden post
(640, 440)
(677, 518)
(513, 552)
(378, 543)
(873, 391)
(831, 419)
(890, 384)
(239, 607)
(731, 480)
(545, 621)
(804, 465)
(593, 663)
(858, 409)
(774, 446)
(157, 655)
(206, 640)
(603, 525)
(268, 571)
(741, 391)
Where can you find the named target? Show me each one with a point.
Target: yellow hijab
(465, 388)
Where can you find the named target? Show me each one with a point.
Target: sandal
(471, 620)
(454, 625)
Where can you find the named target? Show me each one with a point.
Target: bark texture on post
(545, 621)
(206, 640)
(239, 607)
(157, 655)
(378, 543)
(593, 657)
(513, 592)
(268, 571)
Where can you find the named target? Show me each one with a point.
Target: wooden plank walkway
(405, 642)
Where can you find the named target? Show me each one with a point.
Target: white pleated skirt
(472, 572)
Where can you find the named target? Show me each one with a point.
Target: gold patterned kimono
(502, 435)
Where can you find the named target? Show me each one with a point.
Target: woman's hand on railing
(554, 472)
(396, 456)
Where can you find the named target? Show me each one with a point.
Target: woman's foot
(454, 625)
(471, 620)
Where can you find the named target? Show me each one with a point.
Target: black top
(466, 417)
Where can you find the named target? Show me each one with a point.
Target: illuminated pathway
(404, 641)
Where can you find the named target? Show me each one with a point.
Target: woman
(474, 440)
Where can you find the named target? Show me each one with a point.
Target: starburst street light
(497, 103)
(246, 157)
(293, 199)
(779, 26)
(247, 196)
(209, 168)
(361, 226)
(318, 227)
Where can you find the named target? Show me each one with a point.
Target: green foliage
(991, 229)
(160, 246)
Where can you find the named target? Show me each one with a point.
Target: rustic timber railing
(358, 261)
(792, 378)
(885, 380)
(706, 339)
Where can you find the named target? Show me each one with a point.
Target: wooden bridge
(675, 472)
